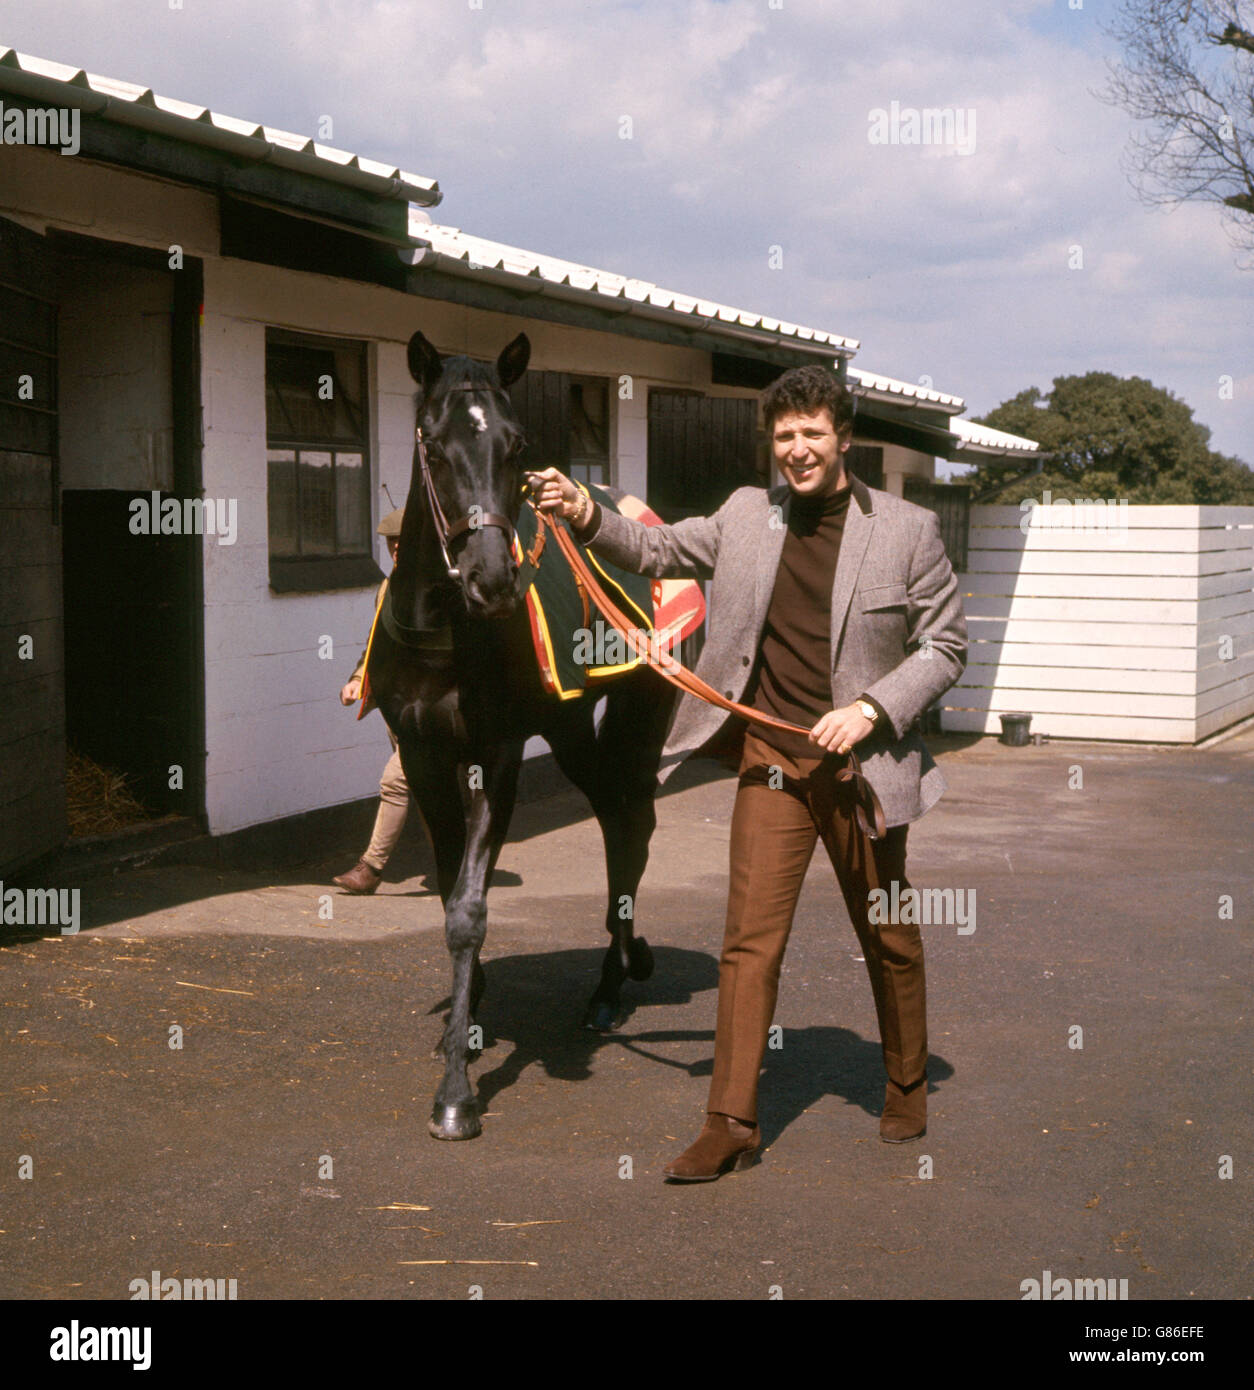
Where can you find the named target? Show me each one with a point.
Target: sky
(752, 173)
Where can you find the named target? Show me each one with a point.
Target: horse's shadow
(519, 1007)
(429, 887)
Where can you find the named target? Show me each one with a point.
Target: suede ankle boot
(723, 1143)
(905, 1112)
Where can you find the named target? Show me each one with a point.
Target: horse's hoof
(639, 959)
(601, 1018)
(454, 1121)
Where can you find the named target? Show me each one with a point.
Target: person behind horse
(366, 875)
(780, 643)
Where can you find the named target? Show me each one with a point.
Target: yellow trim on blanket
(597, 672)
(365, 661)
(646, 619)
(593, 672)
(533, 597)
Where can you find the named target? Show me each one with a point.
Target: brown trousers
(773, 834)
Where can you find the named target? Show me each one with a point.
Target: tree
(1188, 75)
(1114, 437)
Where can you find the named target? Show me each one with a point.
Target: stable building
(205, 409)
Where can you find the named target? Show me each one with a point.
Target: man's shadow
(536, 1003)
(817, 1062)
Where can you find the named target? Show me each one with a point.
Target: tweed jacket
(899, 634)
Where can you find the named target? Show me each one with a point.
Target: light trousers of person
(393, 808)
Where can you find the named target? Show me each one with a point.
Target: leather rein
(867, 808)
(869, 812)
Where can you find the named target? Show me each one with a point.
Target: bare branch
(1186, 75)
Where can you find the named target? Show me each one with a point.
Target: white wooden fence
(1149, 637)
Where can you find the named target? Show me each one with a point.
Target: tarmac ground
(284, 1143)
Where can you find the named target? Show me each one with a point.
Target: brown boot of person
(723, 1144)
(361, 878)
(905, 1112)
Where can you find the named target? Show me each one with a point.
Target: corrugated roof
(58, 84)
(449, 248)
(887, 387)
(985, 438)
(967, 434)
(472, 254)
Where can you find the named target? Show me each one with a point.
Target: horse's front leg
(455, 1114)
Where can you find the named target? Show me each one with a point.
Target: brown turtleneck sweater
(794, 674)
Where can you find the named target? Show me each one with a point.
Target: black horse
(454, 674)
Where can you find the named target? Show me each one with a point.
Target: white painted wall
(1097, 639)
(900, 463)
(279, 742)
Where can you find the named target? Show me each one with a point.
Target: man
(833, 606)
(366, 875)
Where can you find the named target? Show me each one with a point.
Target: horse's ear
(425, 364)
(512, 362)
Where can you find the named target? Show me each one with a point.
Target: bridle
(439, 639)
(447, 532)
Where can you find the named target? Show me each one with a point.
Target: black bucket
(1014, 730)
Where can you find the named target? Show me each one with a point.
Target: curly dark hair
(806, 391)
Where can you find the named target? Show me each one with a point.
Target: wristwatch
(868, 710)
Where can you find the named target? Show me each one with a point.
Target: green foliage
(1115, 437)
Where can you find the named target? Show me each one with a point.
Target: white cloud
(750, 130)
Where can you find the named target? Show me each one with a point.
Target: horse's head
(472, 442)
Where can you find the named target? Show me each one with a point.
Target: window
(590, 432)
(318, 463)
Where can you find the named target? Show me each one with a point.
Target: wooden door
(32, 690)
(701, 449)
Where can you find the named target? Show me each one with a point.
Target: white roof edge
(875, 383)
(985, 436)
(491, 255)
(78, 80)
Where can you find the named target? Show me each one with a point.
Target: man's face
(394, 544)
(809, 454)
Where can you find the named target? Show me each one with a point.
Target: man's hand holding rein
(554, 492)
(840, 729)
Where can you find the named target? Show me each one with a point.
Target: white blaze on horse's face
(478, 418)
